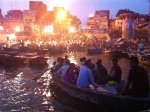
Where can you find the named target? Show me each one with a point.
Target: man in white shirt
(85, 75)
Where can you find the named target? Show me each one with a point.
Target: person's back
(140, 83)
(137, 84)
(63, 69)
(58, 66)
(85, 75)
(116, 72)
(70, 76)
(102, 74)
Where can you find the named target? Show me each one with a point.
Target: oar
(40, 74)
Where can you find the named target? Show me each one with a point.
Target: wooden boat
(104, 97)
(9, 49)
(94, 51)
(56, 51)
(13, 61)
(145, 59)
(117, 53)
(38, 60)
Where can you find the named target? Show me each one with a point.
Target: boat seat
(107, 88)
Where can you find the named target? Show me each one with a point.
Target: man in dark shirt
(116, 72)
(137, 84)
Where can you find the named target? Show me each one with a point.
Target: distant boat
(145, 59)
(94, 51)
(104, 97)
(117, 53)
(38, 60)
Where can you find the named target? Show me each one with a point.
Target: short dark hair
(84, 58)
(99, 60)
(115, 59)
(81, 59)
(68, 62)
(134, 59)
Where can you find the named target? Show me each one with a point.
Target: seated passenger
(70, 76)
(59, 65)
(101, 74)
(63, 69)
(115, 73)
(91, 65)
(137, 84)
(142, 52)
(85, 75)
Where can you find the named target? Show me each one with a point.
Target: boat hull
(94, 51)
(145, 59)
(103, 100)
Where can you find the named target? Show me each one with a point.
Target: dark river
(27, 89)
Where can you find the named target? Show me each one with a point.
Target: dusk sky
(82, 8)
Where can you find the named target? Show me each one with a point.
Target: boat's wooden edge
(104, 93)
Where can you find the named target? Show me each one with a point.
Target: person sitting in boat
(65, 59)
(137, 84)
(142, 52)
(101, 74)
(82, 60)
(54, 64)
(115, 74)
(141, 45)
(70, 76)
(98, 60)
(85, 75)
(59, 65)
(63, 69)
(91, 65)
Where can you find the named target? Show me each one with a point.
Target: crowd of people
(96, 74)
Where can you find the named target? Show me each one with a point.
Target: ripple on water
(27, 88)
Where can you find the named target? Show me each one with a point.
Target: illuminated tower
(128, 24)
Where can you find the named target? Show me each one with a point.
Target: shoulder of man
(142, 70)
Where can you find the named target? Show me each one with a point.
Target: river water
(26, 88)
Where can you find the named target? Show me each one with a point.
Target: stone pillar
(128, 24)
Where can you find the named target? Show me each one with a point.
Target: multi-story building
(35, 5)
(99, 20)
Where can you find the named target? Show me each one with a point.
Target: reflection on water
(27, 88)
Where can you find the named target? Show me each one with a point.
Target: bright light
(48, 29)
(91, 15)
(72, 29)
(12, 36)
(61, 14)
(1, 28)
(17, 29)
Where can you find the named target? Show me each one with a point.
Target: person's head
(66, 57)
(72, 65)
(115, 61)
(98, 63)
(67, 62)
(84, 58)
(89, 60)
(87, 63)
(133, 62)
(99, 60)
(61, 60)
(58, 59)
(54, 62)
(81, 59)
